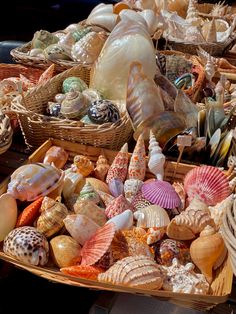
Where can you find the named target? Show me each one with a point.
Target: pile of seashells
(112, 224)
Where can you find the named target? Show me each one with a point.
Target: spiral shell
(156, 158)
(103, 111)
(74, 105)
(83, 165)
(101, 168)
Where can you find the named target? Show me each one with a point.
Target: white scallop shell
(152, 216)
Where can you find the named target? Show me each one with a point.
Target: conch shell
(156, 158)
(219, 209)
(101, 168)
(83, 165)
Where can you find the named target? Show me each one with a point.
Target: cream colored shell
(152, 216)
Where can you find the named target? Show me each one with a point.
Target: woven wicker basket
(220, 288)
(37, 128)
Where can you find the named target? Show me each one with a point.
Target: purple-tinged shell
(161, 193)
(27, 245)
(116, 187)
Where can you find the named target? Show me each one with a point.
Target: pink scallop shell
(161, 193)
(98, 244)
(207, 183)
(118, 206)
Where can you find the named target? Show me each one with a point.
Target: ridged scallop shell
(91, 210)
(88, 193)
(208, 184)
(152, 216)
(30, 181)
(131, 188)
(134, 271)
(101, 168)
(183, 279)
(217, 212)
(156, 158)
(161, 193)
(56, 155)
(137, 165)
(119, 166)
(123, 221)
(27, 245)
(98, 244)
(88, 48)
(190, 222)
(51, 219)
(80, 227)
(118, 206)
(83, 165)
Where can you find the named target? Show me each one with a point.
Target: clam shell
(207, 183)
(118, 206)
(56, 155)
(152, 216)
(91, 210)
(135, 271)
(161, 193)
(123, 220)
(98, 244)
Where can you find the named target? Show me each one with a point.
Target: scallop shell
(88, 193)
(131, 188)
(208, 184)
(152, 216)
(31, 181)
(119, 166)
(190, 222)
(101, 168)
(83, 165)
(80, 227)
(139, 201)
(137, 165)
(123, 221)
(51, 219)
(91, 210)
(27, 245)
(161, 193)
(134, 271)
(118, 206)
(217, 211)
(56, 155)
(103, 111)
(82, 271)
(156, 158)
(98, 244)
(183, 279)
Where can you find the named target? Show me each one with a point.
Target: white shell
(131, 188)
(123, 220)
(219, 209)
(210, 68)
(156, 158)
(152, 216)
(66, 42)
(151, 20)
(102, 15)
(192, 14)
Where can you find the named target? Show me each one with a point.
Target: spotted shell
(30, 181)
(28, 245)
(103, 111)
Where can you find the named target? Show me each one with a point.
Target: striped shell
(207, 183)
(152, 216)
(134, 271)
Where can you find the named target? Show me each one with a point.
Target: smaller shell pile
(121, 228)
(78, 102)
(6, 132)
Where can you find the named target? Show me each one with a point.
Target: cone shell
(211, 35)
(80, 227)
(123, 220)
(91, 210)
(117, 207)
(98, 244)
(152, 216)
(98, 185)
(82, 271)
(207, 183)
(119, 166)
(137, 165)
(135, 271)
(161, 193)
(83, 165)
(131, 188)
(207, 250)
(101, 168)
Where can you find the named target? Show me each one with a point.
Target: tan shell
(207, 250)
(211, 36)
(73, 183)
(30, 181)
(74, 105)
(83, 165)
(91, 210)
(152, 216)
(190, 222)
(101, 168)
(219, 209)
(193, 14)
(210, 68)
(135, 271)
(51, 219)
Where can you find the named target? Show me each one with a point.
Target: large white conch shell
(151, 20)
(156, 158)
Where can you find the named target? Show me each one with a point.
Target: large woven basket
(36, 127)
(220, 287)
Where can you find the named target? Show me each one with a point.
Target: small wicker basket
(37, 127)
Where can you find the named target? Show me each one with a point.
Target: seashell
(190, 222)
(98, 244)
(161, 193)
(72, 27)
(55, 52)
(83, 165)
(217, 211)
(131, 188)
(155, 234)
(66, 42)
(73, 183)
(120, 6)
(207, 250)
(103, 111)
(179, 189)
(168, 249)
(119, 247)
(8, 214)
(207, 183)
(91, 210)
(98, 185)
(156, 158)
(91, 95)
(106, 20)
(211, 35)
(85, 271)
(152, 216)
(6, 131)
(193, 34)
(183, 279)
(27, 245)
(107, 199)
(101, 168)
(88, 48)
(210, 69)
(151, 19)
(134, 271)
(81, 32)
(118, 206)
(193, 14)
(56, 155)
(30, 213)
(116, 187)
(51, 219)
(73, 83)
(137, 165)
(74, 106)
(31, 181)
(123, 221)
(47, 74)
(80, 227)
(53, 109)
(64, 250)
(37, 52)
(106, 261)
(59, 98)
(119, 166)
(89, 194)
(139, 201)
(43, 39)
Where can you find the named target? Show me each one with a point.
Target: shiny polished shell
(103, 111)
